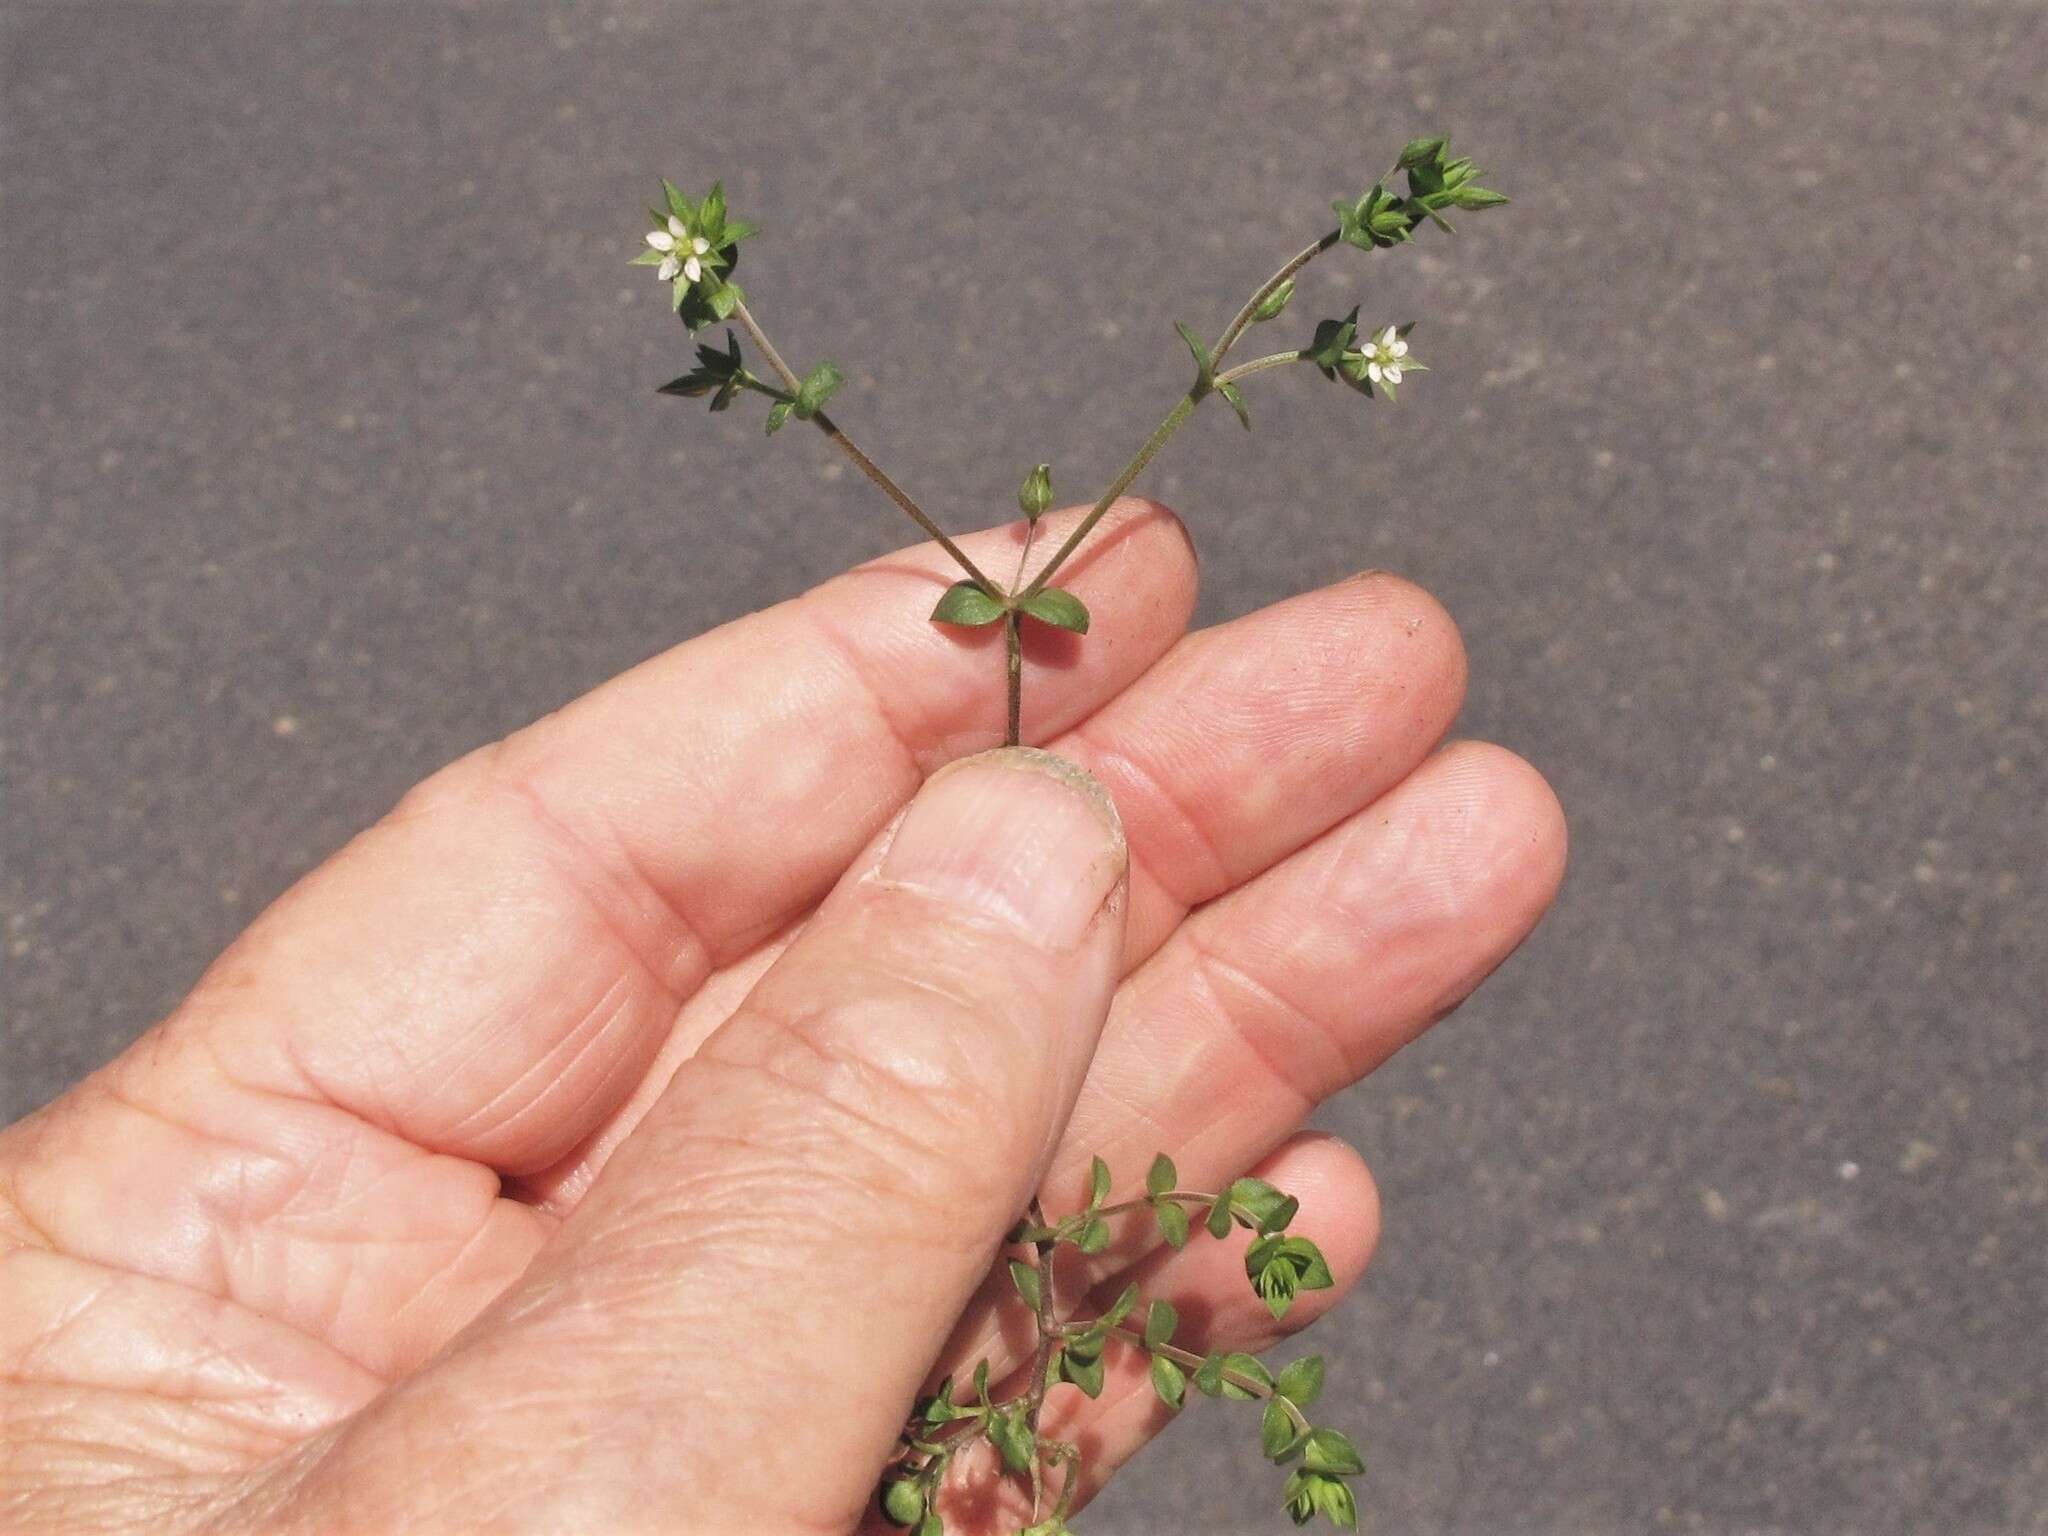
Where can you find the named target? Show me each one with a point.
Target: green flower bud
(903, 1502)
(1035, 494)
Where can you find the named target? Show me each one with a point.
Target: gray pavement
(330, 453)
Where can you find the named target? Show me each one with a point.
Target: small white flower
(1386, 357)
(682, 252)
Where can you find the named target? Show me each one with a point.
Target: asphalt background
(331, 453)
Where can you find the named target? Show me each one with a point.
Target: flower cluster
(1379, 218)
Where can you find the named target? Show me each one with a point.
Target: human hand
(552, 1159)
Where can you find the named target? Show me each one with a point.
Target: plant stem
(1013, 646)
(1130, 472)
(861, 461)
(1260, 365)
(1184, 408)
(1041, 1357)
(1193, 1361)
(1180, 1196)
(1264, 291)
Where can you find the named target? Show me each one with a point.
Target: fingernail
(1017, 836)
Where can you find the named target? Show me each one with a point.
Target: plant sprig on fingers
(1072, 1352)
(695, 247)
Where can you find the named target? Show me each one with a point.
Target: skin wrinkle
(235, 1228)
(846, 657)
(593, 1027)
(585, 868)
(902, 1136)
(1211, 967)
(1128, 772)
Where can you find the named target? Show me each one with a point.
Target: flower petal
(1399, 349)
(693, 269)
(677, 228)
(669, 268)
(1372, 371)
(1394, 374)
(1387, 337)
(661, 240)
(700, 245)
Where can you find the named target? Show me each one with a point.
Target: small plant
(695, 248)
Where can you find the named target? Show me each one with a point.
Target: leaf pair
(969, 604)
(1205, 365)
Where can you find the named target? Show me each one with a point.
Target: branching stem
(1183, 408)
(861, 461)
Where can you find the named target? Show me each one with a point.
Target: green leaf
(1332, 339)
(1160, 1321)
(1026, 1278)
(1098, 1170)
(1276, 1219)
(1204, 367)
(1424, 151)
(711, 214)
(1278, 1438)
(1470, 196)
(1219, 1217)
(819, 385)
(1209, 1376)
(1087, 1374)
(1271, 305)
(1329, 1451)
(1094, 1236)
(778, 413)
(1035, 494)
(1339, 1505)
(1302, 1382)
(737, 230)
(1309, 1494)
(1424, 180)
(1161, 1176)
(931, 1525)
(1231, 393)
(1173, 1222)
(1062, 610)
(1276, 1286)
(981, 1383)
(1250, 1368)
(648, 257)
(965, 603)
(678, 204)
(1013, 1439)
(1119, 1309)
(724, 299)
(1280, 1266)
(1267, 1208)
(1169, 1381)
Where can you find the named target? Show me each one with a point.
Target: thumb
(754, 1290)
